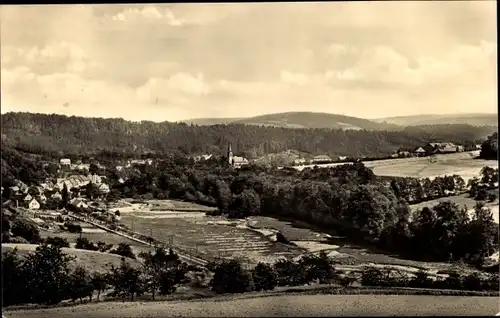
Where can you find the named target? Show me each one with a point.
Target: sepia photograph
(254, 159)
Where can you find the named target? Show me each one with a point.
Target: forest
(61, 135)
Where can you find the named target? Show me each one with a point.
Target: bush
(18, 240)
(264, 277)
(492, 196)
(57, 241)
(290, 273)
(230, 277)
(27, 230)
(84, 244)
(124, 250)
(348, 279)
(73, 228)
(372, 277)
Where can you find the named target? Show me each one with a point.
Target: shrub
(372, 277)
(264, 277)
(348, 279)
(290, 273)
(73, 228)
(230, 277)
(84, 244)
(492, 196)
(57, 241)
(421, 280)
(27, 230)
(123, 249)
(18, 240)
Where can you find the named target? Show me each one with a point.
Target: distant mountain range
(333, 121)
(470, 119)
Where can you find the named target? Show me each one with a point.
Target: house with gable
(33, 204)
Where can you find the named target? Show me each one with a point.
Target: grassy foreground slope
(90, 260)
(283, 306)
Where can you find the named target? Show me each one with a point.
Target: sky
(169, 62)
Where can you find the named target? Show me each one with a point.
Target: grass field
(463, 164)
(461, 200)
(91, 260)
(283, 306)
(97, 235)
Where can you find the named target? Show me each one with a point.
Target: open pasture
(461, 200)
(464, 164)
(90, 260)
(210, 236)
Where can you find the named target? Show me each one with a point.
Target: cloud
(148, 14)
(60, 56)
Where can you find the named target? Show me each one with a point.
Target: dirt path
(283, 306)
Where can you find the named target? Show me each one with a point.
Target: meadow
(90, 260)
(464, 164)
(282, 305)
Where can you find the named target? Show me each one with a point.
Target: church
(235, 161)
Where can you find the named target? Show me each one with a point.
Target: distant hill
(302, 120)
(469, 119)
(210, 121)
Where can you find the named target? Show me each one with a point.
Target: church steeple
(230, 154)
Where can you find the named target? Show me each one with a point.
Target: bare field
(283, 306)
(463, 164)
(211, 236)
(91, 260)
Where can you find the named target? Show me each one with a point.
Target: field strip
(187, 259)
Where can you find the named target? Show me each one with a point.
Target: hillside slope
(210, 121)
(301, 120)
(470, 119)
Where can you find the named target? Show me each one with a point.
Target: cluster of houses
(34, 197)
(431, 148)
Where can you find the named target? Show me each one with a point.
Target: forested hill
(301, 120)
(63, 135)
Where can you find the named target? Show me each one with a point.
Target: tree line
(348, 200)
(46, 276)
(62, 135)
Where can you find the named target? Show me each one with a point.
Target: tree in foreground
(46, 272)
(125, 280)
(230, 277)
(264, 277)
(162, 271)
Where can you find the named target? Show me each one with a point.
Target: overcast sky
(179, 61)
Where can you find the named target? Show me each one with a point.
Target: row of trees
(46, 277)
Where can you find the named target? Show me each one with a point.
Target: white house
(78, 203)
(56, 196)
(28, 198)
(103, 188)
(94, 179)
(33, 205)
(65, 162)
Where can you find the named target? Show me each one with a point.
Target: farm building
(299, 161)
(321, 159)
(419, 152)
(442, 147)
(33, 205)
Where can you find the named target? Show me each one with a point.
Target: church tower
(230, 154)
